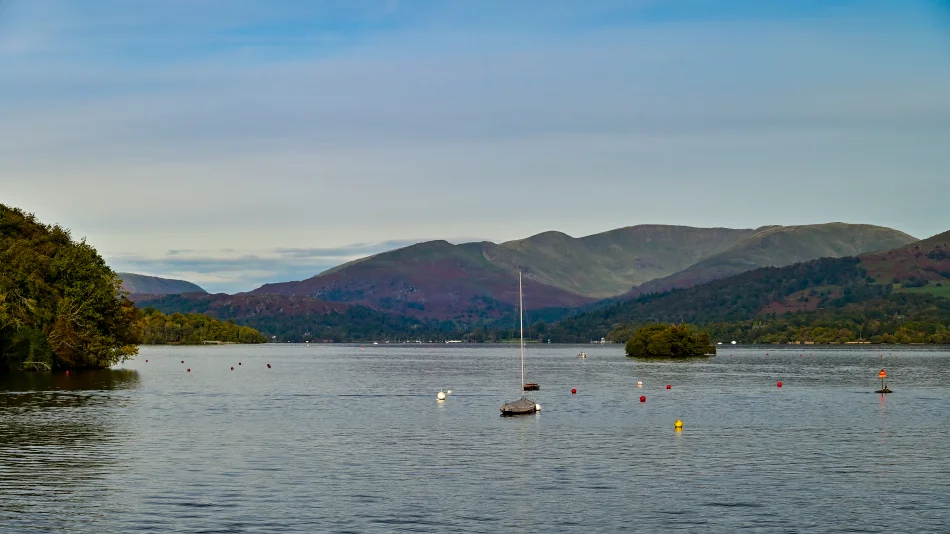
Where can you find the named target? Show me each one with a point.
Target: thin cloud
(225, 126)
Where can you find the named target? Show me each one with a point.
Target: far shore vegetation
(193, 329)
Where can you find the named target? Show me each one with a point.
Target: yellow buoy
(678, 425)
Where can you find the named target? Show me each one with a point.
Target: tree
(671, 341)
(60, 304)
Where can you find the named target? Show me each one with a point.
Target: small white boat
(581, 355)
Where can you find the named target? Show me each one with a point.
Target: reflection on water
(338, 439)
(58, 438)
(87, 380)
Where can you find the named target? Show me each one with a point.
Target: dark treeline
(193, 329)
(896, 318)
(738, 298)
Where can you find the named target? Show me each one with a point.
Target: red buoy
(268, 366)
(779, 384)
(189, 369)
(643, 398)
(232, 368)
(146, 361)
(573, 391)
(669, 386)
(67, 372)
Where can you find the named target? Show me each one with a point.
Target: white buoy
(537, 407)
(639, 383)
(448, 392)
(440, 396)
(733, 342)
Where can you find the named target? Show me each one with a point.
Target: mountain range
(444, 286)
(908, 283)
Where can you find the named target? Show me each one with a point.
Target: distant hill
(607, 264)
(475, 282)
(153, 285)
(432, 279)
(880, 282)
(780, 246)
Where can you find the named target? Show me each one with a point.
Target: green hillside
(860, 295)
(781, 246)
(609, 263)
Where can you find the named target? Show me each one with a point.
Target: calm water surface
(344, 439)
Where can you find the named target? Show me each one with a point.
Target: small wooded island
(669, 341)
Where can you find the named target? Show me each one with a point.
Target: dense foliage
(193, 329)
(896, 318)
(668, 341)
(738, 298)
(60, 304)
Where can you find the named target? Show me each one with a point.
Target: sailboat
(523, 405)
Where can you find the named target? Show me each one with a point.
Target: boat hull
(521, 406)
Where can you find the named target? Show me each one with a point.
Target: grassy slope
(932, 289)
(609, 263)
(747, 295)
(432, 279)
(781, 246)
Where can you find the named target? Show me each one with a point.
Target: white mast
(521, 318)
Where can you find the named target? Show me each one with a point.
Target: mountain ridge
(781, 246)
(155, 285)
(475, 281)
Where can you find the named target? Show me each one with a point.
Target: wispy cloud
(298, 127)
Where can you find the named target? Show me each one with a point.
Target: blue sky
(234, 143)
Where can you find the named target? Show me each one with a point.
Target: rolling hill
(885, 283)
(831, 283)
(153, 285)
(431, 279)
(780, 246)
(474, 282)
(606, 264)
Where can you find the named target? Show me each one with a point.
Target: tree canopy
(60, 304)
(668, 341)
(193, 329)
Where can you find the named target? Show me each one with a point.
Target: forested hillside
(888, 296)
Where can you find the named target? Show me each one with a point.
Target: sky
(236, 142)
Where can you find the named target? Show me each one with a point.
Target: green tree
(60, 304)
(671, 341)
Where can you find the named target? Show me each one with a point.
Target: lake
(338, 438)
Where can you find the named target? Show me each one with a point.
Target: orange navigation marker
(883, 375)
